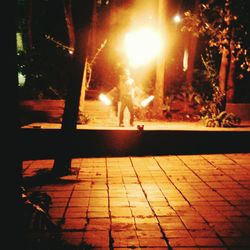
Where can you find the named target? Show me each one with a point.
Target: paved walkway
(162, 202)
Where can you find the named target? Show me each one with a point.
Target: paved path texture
(152, 202)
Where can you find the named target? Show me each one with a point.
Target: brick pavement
(152, 202)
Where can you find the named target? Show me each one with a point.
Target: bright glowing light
(21, 79)
(142, 46)
(177, 18)
(104, 99)
(185, 60)
(146, 101)
(130, 81)
(19, 41)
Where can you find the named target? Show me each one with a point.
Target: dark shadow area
(39, 231)
(242, 126)
(29, 116)
(45, 242)
(41, 144)
(47, 177)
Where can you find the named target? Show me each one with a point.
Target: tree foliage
(225, 47)
(221, 24)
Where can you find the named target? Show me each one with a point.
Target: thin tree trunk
(69, 22)
(223, 70)
(81, 13)
(230, 86)
(227, 66)
(160, 66)
(93, 36)
(91, 45)
(29, 25)
(82, 94)
(191, 59)
(192, 52)
(230, 83)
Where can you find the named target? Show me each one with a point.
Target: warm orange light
(185, 60)
(141, 46)
(146, 101)
(130, 81)
(177, 18)
(104, 99)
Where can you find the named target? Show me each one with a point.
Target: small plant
(83, 118)
(213, 111)
(181, 102)
(39, 229)
(223, 119)
(40, 232)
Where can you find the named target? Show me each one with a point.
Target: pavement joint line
(111, 240)
(179, 192)
(62, 220)
(207, 222)
(133, 216)
(225, 172)
(233, 179)
(188, 200)
(225, 175)
(173, 183)
(155, 215)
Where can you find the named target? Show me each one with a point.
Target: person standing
(126, 94)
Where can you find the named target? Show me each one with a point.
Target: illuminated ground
(173, 202)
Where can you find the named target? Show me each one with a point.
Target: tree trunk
(227, 66)
(71, 34)
(69, 22)
(82, 94)
(29, 25)
(160, 65)
(91, 44)
(92, 35)
(223, 69)
(81, 13)
(230, 82)
(230, 88)
(226, 75)
(192, 45)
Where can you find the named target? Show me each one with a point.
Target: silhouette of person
(126, 94)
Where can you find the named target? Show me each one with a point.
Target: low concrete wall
(52, 110)
(51, 143)
(240, 109)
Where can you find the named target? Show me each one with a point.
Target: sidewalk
(153, 202)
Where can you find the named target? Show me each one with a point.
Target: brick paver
(154, 202)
